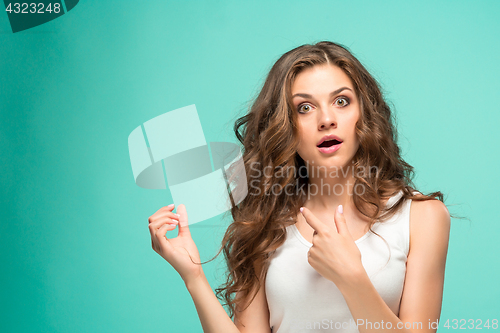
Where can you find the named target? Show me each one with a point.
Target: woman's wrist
(195, 283)
(353, 280)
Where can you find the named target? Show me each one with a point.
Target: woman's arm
(423, 288)
(181, 252)
(255, 317)
(213, 317)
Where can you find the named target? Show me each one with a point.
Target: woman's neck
(326, 192)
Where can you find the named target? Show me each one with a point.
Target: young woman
(332, 235)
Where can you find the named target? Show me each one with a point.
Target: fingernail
(301, 209)
(174, 220)
(341, 209)
(177, 215)
(171, 205)
(172, 225)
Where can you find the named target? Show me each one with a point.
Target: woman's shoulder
(425, 210)
(429, 222)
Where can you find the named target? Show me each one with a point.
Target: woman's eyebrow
(333, 93)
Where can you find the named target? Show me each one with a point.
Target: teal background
(76, 251)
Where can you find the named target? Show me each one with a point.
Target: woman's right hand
(180, 252)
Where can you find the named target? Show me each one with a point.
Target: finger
(165, 245)
(161, 211)
(155, 242)
(340, 221)
(312, 220)
(153, 227)
(157, 223)
(183, 221)
(165, 228)
(163, 215)
(166, 217)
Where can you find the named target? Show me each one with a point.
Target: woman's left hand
(334, 253)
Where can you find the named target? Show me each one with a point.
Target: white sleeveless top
(301, 300)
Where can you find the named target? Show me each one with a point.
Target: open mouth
(329, 143)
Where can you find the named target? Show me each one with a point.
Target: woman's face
(326, 105)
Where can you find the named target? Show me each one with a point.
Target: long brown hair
(269, 135)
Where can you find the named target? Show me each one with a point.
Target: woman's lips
(331, 149)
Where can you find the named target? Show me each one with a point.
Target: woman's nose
(327, 119)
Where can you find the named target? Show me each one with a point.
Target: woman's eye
(342, 102)
(304, 108)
